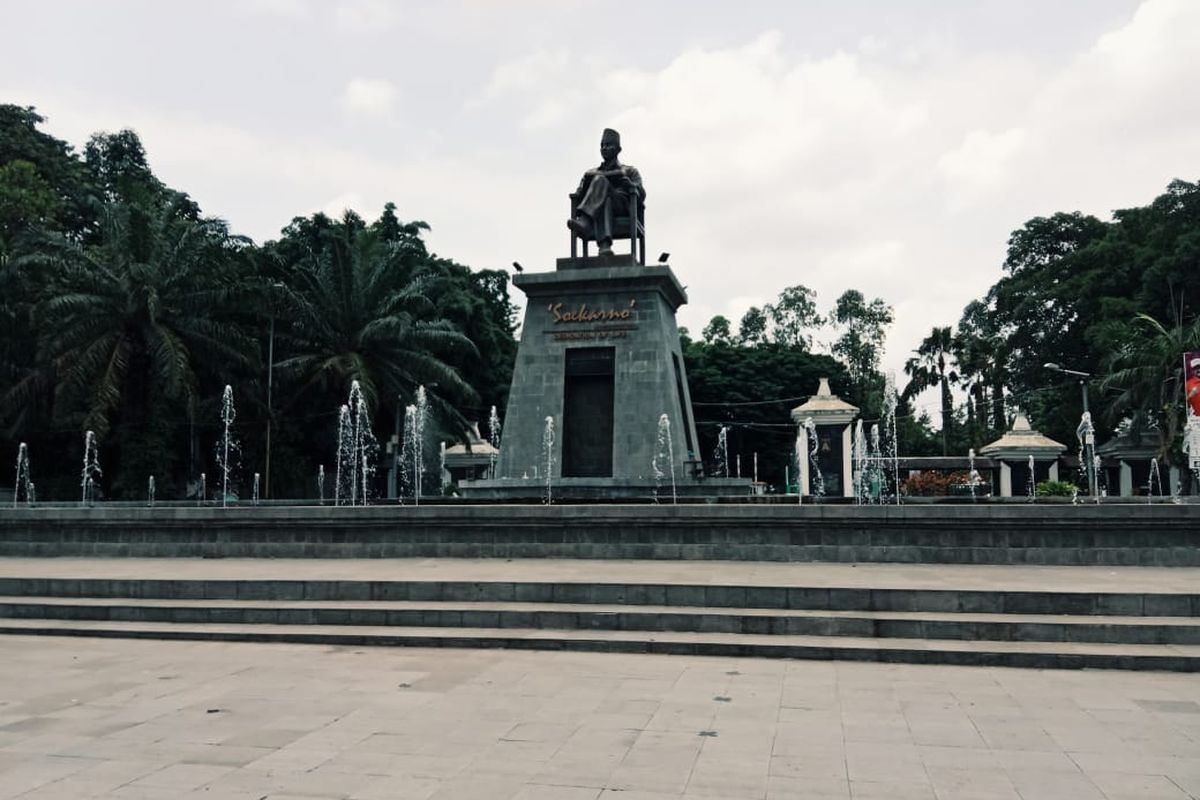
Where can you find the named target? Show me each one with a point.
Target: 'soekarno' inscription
(581, 313)
(602, 323)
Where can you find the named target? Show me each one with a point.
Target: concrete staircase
(1020, 627)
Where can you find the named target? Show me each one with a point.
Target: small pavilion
(470, 460)
(832, 417)
(1013, 452)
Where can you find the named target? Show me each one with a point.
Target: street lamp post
(270, 380)
(1089, 448)
(270, 376)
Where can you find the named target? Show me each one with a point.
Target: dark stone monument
(600, 356)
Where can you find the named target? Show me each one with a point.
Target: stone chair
(631, 227)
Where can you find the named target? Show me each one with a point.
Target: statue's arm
(583, 182)
(635, 180)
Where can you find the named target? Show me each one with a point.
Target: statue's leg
(604, 229)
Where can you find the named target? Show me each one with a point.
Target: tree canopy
(125, 310)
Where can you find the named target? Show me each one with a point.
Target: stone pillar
(848, 461)
(1126, 479)
(1005, 479)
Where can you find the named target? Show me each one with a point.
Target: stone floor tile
(891, 790)
(331, 721)
(535, 791)
(1127, 786)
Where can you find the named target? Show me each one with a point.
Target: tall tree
(794, 316)
(124, 325)
(862, 329)
(752, 329)
(717, 331)
(359, 313)
(1145, 381)
(933, 367)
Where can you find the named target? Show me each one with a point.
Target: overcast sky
(884, 146)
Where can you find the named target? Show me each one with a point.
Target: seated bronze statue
(608, 202)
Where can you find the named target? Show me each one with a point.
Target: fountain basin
(1108, 534)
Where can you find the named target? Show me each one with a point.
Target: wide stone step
(566, 616)
(1049, 655)
(844, 598)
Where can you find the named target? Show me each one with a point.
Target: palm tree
(1146, 374)
(358, 310)
(931, 367)
(124, 326)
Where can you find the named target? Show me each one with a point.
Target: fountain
(150, 492)
(228, 446)
(973, 479)
(876, 488)
(859, 459)
(816, 480)
(91, 469)
(664, 450)
(355, 451)
(203, 490)
(321, 483)
(755, 467)
(1086, 433)
(254, 494)
(1153, 482)
(493, 440)
(737, 460)
(891, 399)
(22, 482)
(442, 470)
(343, 484)
(548, 456)
(799, 455)
(721, 453)
(410, 468)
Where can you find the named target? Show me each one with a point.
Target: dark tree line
(1119, 300)
(125, 310)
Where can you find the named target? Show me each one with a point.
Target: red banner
(1191, 374)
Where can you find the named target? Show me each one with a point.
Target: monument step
(1051, 655)
(567, 616)
(763, 595)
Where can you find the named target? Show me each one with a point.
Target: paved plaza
(154, 719)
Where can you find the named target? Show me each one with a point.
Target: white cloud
(526, 74)
(289, 9)
(367, 16)
(347, 201)
(767, 164)
(368, 96)
(980, 163)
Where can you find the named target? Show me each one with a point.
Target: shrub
(1056, 489)
(933, 484)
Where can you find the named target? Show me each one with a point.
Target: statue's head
(610, 144)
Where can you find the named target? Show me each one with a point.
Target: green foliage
(717, 332)
(1145, 380)
(123, 309)
(932, 367)
(1073, 288)
(1055, 489)
(56, 168)
(862, 330)
(793, 316)
(752, 390)
(752, 329)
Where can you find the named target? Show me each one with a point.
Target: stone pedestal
(600, 356)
